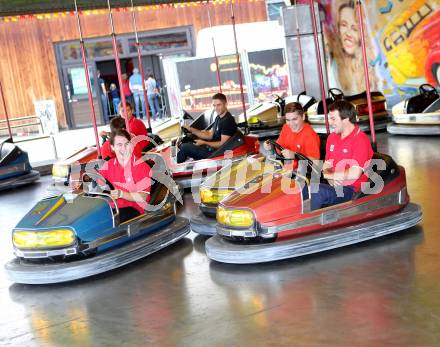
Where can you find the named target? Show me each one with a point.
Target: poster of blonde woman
(343, 39)
(402, 44)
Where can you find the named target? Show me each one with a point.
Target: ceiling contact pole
(238, 66)
(366, 75)
(141, 66)
(89, 87)
(298, 39)
(319, 65)
(219, 81)
(118, 65)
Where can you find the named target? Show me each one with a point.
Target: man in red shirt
(297, 135)
(348, 152)
(129, 176)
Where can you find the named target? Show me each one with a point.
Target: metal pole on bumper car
(89, 87)
(141, 66)
(219, 81)
(238, 67)
(6, 111)
(118, 64)
(298, 40)
(319, 65)
(366, 74)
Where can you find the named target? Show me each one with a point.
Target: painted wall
(28, 68)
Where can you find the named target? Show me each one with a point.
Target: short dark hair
(219, 96)
(119, 132)
(345, 109)
(294, 107)
(117, 123)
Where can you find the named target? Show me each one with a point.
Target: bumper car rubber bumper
(203, 225)
(221, 250)
(401, 129)
(21, 180)
(21, 271)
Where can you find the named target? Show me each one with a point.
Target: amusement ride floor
(384, 292)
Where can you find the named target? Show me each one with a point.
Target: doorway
(151, 65)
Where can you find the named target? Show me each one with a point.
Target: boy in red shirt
(348, 153)
(129, 176)
(297, 135)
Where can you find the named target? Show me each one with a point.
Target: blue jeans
(139, 99)
(104, 103)
(327, 195)
(115, 105)
(153, 102)
(190, 150)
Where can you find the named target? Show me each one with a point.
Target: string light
(56, 15)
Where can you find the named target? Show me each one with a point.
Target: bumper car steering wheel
(311, 166)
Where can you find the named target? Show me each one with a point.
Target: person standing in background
(114, 93)
(135, 84)
(153, 99)
(126, 89)
(104, 97)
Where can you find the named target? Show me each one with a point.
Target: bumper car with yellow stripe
(265, 119)
(316, 117)
(418, 115)
(222, 183)
(73, 236)
(15, 169)
(271, 219)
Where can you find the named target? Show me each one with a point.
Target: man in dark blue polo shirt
(209, 140)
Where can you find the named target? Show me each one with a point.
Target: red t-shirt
(134, 177)
(106, 151)
(137, 128)
(354, 150)
(306, 141)
(126, 88)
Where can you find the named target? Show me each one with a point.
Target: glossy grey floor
(384, 292)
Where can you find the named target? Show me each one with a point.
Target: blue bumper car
(15, 169)
(77, 235)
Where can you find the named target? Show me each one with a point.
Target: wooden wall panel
(28, 68)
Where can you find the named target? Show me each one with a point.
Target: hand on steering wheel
(278, 151)
(94, 178)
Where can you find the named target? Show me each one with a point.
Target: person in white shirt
(153, 99)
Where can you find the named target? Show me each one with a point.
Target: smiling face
(335, 122)
(295, 121)
(122, 148)
(348, 30)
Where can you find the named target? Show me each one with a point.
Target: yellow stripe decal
(57, 205)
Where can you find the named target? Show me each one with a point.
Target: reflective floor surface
(385, 292)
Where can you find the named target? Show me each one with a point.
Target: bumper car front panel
(222, 250)
(23, 271)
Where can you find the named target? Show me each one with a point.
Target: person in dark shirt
(209, 140)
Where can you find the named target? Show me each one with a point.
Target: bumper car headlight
(60, 171)
(43, 239)
(235, 218)
(208, 196)
(253, 120)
